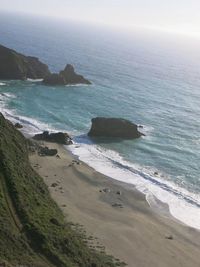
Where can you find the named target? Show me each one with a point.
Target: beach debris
(106, 190)
(37, 166)
(170, 237)
(64, 205)
(117, 205)
(54, 184)
(76, 162)
(57, 156)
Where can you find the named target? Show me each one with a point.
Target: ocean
(152, 79)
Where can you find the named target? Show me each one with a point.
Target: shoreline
(117, 214)
(180, 201)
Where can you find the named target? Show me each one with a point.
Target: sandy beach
(116, 215)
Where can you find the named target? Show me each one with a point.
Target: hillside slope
(32, 228)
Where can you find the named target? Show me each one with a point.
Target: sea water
(150, 79)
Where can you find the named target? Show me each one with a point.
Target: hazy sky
(181, 16)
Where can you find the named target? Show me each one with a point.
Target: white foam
(8, 95)
(2, 84)
(183, 205)
(77, 85)
(34, 80)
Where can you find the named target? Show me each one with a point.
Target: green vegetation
(33, 231)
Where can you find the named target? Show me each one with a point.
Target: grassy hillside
(33, 231)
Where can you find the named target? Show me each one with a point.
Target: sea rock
(18, 125)
(59, 137)
(114, 127)
(54, 79)
(16, 66)
(65, 77)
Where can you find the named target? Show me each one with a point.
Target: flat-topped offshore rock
(59, 138)
(114, 127)
(16, 66)
(65, 77)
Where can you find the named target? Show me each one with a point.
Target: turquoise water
(150, 79)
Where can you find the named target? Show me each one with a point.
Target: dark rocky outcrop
(54, 79)
(45, 151)
(114, 127)
(15, 66)
(59, 138)
(18, 125)
(66, 77)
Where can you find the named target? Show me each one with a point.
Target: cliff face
(16, 66)
(33, 231)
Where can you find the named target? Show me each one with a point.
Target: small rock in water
(155, 173)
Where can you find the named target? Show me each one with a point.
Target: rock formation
(66, 77)
(18, 125)
(114, 127)
(59, 138)
(15, 66)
